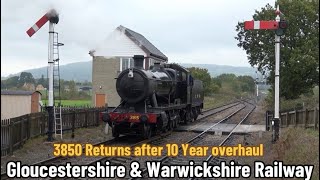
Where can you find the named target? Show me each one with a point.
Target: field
(216, 100)
(77, 103)
(209, 101)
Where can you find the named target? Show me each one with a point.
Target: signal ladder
(58, 121)
(56, 86)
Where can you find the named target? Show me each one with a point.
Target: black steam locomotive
(154, 100)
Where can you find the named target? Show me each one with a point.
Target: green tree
(25, 77)
(247, 84)
(11, 82)
(299, 67)
(43, 81)
(203, 75)
(229, 83)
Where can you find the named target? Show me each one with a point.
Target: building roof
(142, 42)
(11, 92)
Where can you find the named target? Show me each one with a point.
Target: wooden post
(11, 137)
(86, 119)
(97, 117)
(287, 115)
(42, 124)
(296, 118)
(267, 121)
(73, 123)
(21, 131)
(306, 118)
(315, 114)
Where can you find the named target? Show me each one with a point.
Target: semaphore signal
(53, 18)
(279, 26)
(248, 25)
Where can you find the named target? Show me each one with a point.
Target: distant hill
(216, 70)
(82, 71)
(79, 71)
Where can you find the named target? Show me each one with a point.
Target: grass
(76, 103)
(299, 146)
(216, 101)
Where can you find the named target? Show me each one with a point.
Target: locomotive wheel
(147, 131)
(175, 123)
(115, 132)
(185, 119)
(195, 114)
(188, 118)
(164, 129)
(170, 125)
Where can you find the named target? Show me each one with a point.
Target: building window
(126, 63)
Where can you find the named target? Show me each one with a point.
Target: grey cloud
(174, 26)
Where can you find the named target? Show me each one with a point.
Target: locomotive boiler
(154, 100)
(135, 85)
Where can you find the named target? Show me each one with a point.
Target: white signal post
(50, 64)
(276, 120)
(53, 18)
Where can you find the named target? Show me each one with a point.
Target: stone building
(114, 55)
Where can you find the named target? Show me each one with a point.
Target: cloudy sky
(188, 31)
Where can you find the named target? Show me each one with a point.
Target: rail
(144, 171)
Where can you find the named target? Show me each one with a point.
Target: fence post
(315, 117)
(306, 114)
(11, 137)
(267, 121)
(21, 130)
(296, 118)
(73, 123)
(287, 116)
(96, 116)
(86, 119)
(42, 124)
(29, 126)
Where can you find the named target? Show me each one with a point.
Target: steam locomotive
(155, 100)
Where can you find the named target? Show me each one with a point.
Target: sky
(186, 31)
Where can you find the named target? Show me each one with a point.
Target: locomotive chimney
(138, 61)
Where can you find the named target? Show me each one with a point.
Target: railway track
(158, 141)
(167, 160)
(212, 119)
(115, 160)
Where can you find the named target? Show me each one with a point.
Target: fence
(70, 108)
(297, 118)
(16, 131)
